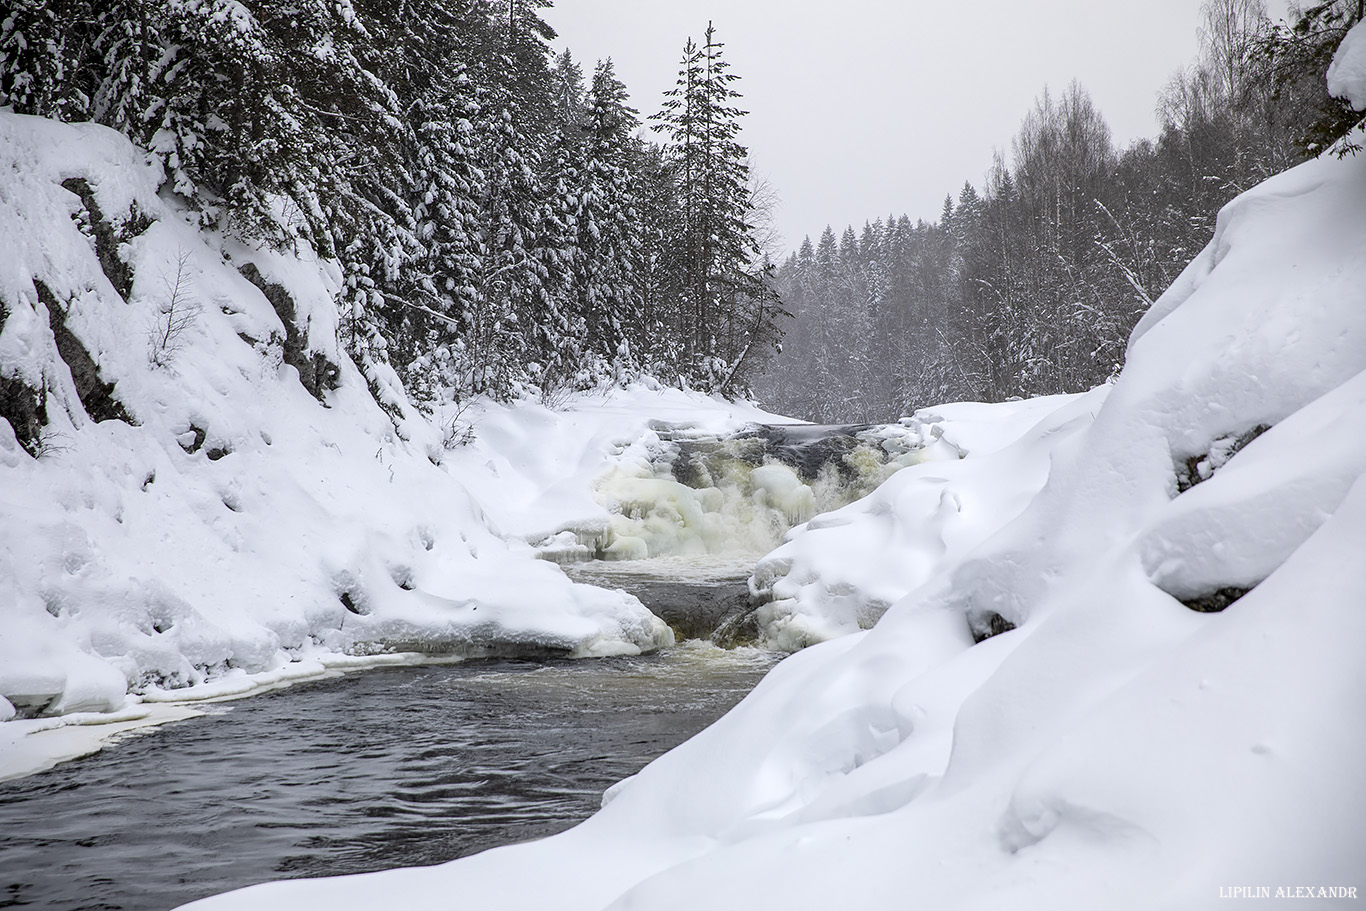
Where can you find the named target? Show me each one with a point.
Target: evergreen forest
(502, 223)
(505, 223)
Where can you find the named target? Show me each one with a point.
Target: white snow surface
(1347, 72)
(840, 572)
(1116, 749)
(135, 567)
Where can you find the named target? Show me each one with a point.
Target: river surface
(385, 768)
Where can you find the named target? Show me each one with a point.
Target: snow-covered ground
(197, 524)
(1127, 672)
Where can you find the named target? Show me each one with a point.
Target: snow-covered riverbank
(212, 500)
(1141, 689)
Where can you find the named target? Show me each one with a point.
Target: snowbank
(198, 492)
(1142, 689)
(980, 465)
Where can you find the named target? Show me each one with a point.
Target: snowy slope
(229, 508)
(1105, 745)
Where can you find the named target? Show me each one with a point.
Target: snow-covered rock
(1043, 721)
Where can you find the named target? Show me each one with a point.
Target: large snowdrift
(217, 502)
(980, 466)
(1165, 703)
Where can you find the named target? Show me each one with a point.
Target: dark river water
(385, 768)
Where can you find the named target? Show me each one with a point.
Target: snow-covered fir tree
(608, 240)
(497, 225)
(726, 309)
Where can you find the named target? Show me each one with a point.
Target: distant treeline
(500, 223)
(1032, 284)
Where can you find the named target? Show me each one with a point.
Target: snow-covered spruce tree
(519, 333)
(659, 338)
(862, 365)
(883, 347)
(559, 347)
(830, 342)
(680, 118)
(608, 240)
(1295, 57)
(524, 67)
(727, 313)
(512, 316)
(431, 306)
(567, 94)
(44, 49)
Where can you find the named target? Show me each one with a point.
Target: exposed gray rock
(97, 396)
(316, 372)
(25, 408)
(109, 237)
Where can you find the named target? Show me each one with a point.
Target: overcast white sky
(862, 108)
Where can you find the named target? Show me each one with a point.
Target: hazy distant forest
(1031, 284)
(505, 224)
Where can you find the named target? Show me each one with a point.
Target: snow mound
(198, 491)
(1347, 72)
(840, 572)
(1138, 690)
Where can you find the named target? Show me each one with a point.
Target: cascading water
(681, 492)
(684, 504)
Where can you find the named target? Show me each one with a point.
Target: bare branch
(177, 314)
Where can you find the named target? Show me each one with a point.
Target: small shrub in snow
(458, 430)
(175, 317)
